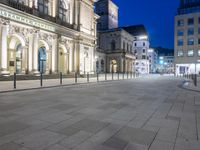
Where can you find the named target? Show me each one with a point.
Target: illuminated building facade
(187, 37)
(47, 36)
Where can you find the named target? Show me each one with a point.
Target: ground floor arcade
(29, 50)
(190, 68)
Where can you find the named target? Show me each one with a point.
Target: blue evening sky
(156, 15)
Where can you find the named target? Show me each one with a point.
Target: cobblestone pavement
(148, 113)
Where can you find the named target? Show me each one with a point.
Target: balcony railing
(20, 6)
(36, 12)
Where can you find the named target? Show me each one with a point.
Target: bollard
(195, 79)
(88, 77)
(123, 75)
(75, 77)
(15, 78)
(41, 79)
(97, 77)
(105, 76)
(118, 76)
(60, 78)
(112, 75)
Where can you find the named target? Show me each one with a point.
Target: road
(148, 113)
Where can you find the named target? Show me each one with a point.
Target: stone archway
(63, 60)
(17, 55)
(43, 60)
(42, 57)
(113, 66)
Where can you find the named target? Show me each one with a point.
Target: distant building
(153, 57)
(187, 37)
(165, 60)
(108, 12)
(125, 48)
(141, 47)
(117, 44)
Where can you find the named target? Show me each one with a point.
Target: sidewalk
(7, 86)
(189, 85)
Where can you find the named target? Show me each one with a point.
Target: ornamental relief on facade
(22, 32)
(48, 38)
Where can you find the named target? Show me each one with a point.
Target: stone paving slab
(147, 113)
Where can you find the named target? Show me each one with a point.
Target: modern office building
(187, 37)
(47, 36)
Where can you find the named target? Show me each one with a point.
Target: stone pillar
(70, 60)
(75, 58)
(24, 60)
(55, 55)
(4, 24)
(47, 61)
(35, 52)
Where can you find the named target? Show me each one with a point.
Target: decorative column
(47, 61)
(24, 60)
(75, 58)
(35, 52)
(55, 55)
(70, 60)
(4, 24)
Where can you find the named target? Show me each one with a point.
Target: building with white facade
(141, 47)
(117, 45)
(153, 57)
(47, 36)
(187, 37)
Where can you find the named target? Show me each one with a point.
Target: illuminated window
(180, 53)
(190, 53)
(190, 41)
(198, 52)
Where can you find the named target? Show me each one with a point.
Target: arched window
(113, 45)
(63, 11)
(43, 6)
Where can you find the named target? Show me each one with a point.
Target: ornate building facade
(47, 36)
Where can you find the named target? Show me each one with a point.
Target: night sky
(156, 15)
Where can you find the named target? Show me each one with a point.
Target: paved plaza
(147, 113)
